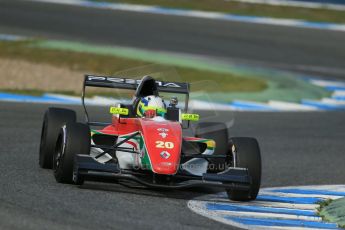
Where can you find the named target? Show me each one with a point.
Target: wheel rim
(60, 150)
(58, 156)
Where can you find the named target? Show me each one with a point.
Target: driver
(151, 106)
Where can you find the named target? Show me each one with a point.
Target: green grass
(333, 211)
(322, 205)
(108, 65)
(318, 15)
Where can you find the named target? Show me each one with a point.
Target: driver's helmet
(152, 103)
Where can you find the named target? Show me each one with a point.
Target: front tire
(54, 119)
(74, 138)
(247, 155)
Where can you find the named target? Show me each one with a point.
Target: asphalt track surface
(297, 149)
(311, 51)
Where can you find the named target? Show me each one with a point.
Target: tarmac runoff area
(310, 51)
(203, 14)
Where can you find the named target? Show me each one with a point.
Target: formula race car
(144, 143)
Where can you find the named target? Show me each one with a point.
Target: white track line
(268, 215)
(282, 194)
(270, 204)
(313, 5)
(290, 106)
(325, 83)
(333, 101)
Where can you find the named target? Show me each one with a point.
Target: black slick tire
(54, 119)
(246, 151)
(74, 138)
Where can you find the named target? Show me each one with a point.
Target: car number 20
(162, 144)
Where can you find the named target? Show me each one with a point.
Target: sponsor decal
(162, 144)
(163, 132)
(190, 117)
(165, 154)
(164, 164)
(163, 135)
(130, 81)
(171, 84)
(117, 110)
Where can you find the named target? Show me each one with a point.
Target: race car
(144, 143)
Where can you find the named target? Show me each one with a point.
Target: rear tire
(74, 138)
(54, 119)
(218, 132)
(247, 153)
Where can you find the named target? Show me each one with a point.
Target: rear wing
(126, 83)
(131, 84)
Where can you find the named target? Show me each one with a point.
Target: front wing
(87, 168)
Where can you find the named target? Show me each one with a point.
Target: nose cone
(163, 143)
